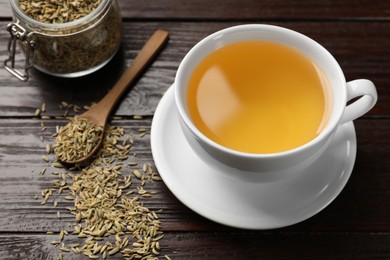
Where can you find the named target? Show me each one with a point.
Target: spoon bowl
(99, 113)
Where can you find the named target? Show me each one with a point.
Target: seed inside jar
(57, 11)
(87, 37)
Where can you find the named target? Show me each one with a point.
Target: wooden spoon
(99, 113)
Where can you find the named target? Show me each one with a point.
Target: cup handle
(364, 89)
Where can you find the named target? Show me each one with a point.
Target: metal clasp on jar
(18, 33)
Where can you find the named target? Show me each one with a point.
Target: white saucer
(228, 201)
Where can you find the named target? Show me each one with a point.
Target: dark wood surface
(355, 226)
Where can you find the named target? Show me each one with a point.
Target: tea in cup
(263, 98)
(258, 97)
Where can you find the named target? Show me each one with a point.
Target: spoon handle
(102, 110)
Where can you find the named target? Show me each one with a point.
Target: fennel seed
(77, 139)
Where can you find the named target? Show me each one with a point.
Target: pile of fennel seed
(107, 204)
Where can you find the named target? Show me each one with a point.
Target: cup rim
(331, 125)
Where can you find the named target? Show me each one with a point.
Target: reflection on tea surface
(258, 97)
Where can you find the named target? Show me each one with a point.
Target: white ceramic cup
(341, 92)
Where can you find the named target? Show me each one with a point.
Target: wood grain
(351, 44)
(354, 226)
(207, 245)
(247, 9)
(364, 205)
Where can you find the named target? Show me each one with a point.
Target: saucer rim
(195, 205)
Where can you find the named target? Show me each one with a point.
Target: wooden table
(356, 225)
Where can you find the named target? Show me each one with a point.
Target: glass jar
(69, 49)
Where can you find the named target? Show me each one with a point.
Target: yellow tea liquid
(258, 97)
